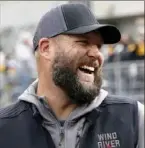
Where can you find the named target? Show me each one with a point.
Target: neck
(56, 98)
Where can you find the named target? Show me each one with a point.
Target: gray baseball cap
(73, 19)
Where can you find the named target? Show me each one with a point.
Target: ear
(44, 47)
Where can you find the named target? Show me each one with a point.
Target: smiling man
(66, 106)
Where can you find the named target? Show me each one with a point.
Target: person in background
(140, 51)
(2, 71)
(26, 66)
(66, 106)
(136, 48)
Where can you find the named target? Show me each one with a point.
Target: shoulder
(14, 117)
(114, 99)
(141, 114)
(13, 110)
(140, 109)
(122, 107)
(125, 101)
(141, 124)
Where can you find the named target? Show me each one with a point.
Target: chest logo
(108, 140)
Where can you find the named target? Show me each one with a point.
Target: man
(66, 107)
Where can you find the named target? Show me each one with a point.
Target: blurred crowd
(124, 67)
(126, 50)
(18, 68)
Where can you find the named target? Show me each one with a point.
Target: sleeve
(141, 125)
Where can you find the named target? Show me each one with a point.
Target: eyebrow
(80, 36)
(83, 37)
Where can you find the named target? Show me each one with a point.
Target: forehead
(92, 36)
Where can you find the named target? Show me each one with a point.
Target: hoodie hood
(30, 96)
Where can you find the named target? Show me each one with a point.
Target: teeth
(88, 68)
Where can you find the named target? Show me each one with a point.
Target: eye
(99, 46)
(83, 42)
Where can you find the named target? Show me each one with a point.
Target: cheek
(101, 59)
(75, 54)
(79, 49)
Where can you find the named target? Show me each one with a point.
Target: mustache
(90, 62)
(98, 77)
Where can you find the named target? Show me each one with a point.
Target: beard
(65, 78)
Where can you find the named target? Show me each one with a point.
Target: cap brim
(109, 33)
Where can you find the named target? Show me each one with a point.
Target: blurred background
(124, 61)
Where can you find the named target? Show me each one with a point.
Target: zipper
(89, 122)
(62, 133)
(85, 134)
(61, 142)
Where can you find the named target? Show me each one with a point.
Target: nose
(93, 52)
(96, 54)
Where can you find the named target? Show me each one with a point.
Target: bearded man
(66, 106)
